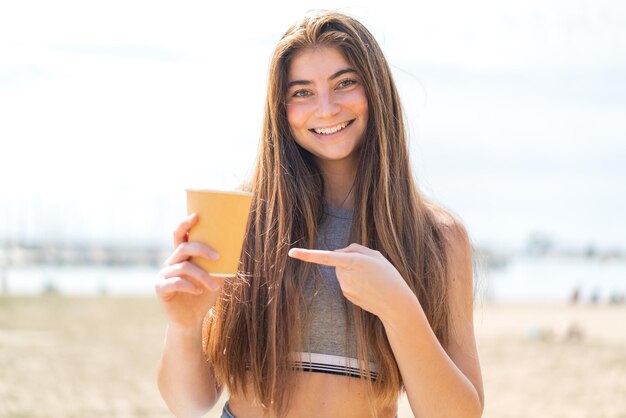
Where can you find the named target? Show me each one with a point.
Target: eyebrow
(332, 77)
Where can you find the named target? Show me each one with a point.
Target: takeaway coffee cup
(223, 217)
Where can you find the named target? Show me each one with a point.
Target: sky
(109, 111)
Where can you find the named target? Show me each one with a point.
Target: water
(554, 280)
(521, 280)
(83, 280)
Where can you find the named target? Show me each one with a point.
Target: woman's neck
(339, 185)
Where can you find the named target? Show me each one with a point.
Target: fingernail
(214, 286)
(215, 255)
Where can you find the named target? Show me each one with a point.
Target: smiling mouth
(332, 129)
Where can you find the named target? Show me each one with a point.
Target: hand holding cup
(190, 283)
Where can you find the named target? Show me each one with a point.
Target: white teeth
(327, 131)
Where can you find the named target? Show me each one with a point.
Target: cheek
(364, 112)
(364, 106)
(296, 116)
(359, 104)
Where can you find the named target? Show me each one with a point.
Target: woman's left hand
(366, 277)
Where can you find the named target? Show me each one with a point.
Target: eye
(301, 93)
(346, 83)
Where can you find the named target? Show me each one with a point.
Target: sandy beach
(96, 357)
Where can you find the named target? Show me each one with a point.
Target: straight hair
(257, 324)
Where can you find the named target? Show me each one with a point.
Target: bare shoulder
(458, 251)
(454, 232)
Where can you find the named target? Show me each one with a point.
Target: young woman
(353, 287)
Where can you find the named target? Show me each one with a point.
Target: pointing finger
(327, 258)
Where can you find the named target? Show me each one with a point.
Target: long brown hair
(256, 325)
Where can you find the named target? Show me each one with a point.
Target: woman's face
(326, 104)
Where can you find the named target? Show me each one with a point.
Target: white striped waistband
(328, 363)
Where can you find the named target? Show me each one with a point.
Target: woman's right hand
(185, 290)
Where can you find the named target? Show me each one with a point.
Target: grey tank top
(329, 342)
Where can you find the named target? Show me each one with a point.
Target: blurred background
(109, 111)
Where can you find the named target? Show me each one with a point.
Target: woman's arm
(186, 293)
(185, 378)
(440, 383)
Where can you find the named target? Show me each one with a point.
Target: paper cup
(223, 217)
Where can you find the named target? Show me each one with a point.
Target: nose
(327, 105)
